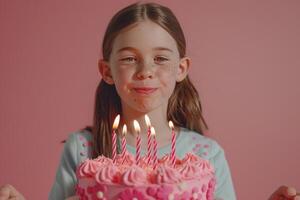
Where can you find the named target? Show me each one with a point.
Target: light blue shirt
(78, 148)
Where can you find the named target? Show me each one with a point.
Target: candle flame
(171, 125)
(124, 131)
(152, 131)
(147, 119)
(116, 122)
(136, 126)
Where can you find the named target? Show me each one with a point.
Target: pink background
(245, 65)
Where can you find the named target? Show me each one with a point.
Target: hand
(285, 193)
(8, 192)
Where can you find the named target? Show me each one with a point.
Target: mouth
(144, 90)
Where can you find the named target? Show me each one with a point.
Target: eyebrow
(134, 49)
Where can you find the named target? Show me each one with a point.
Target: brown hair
(184, 112)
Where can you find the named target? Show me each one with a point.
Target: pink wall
(245, 66)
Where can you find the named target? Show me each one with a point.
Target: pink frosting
(105, 171)
(103, 160)
(189, 171)
(143, 162)
(189, 157)
(129, 159)
(134, 176)
(166, 174)
(106, 174)
(88, 168)
(124, 174)
(206, 167)
(165, 160)
(192, 160)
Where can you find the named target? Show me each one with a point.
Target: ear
(183, 68)
(105, 71)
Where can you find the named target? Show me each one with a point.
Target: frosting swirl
(106, 174)
(88, 168)
(134, 176)
(205, 167)
(166, 174)
(189, 157)
(165, 160)
(103, 160)
(128, 159)
(190, 171)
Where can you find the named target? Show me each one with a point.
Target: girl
(144, 71)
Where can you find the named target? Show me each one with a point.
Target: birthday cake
(122, 179)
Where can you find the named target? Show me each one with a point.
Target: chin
(146, 107)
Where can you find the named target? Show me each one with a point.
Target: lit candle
(114, 137)
(124, 131)
(149, 141)
(138, 141)
(173, 146)
(154, 156)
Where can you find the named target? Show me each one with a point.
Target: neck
(158, 119)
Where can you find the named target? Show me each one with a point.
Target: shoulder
(201, 145)
(210, 149)
(79, 144)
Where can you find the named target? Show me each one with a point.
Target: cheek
(121, 76)
(122, 80)
(167, 82)
(167, 76)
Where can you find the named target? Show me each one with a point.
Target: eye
(160, 59)
(129, 59)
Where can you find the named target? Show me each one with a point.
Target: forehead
(145, 36)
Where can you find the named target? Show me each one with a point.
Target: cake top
(125, 171)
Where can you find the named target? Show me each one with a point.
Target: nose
(145, 71)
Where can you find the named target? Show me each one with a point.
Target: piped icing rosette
(189, 171)
(103, 160)
(189, 157)
(206, 167)
(165, 160)
(134, 176)
(193, 165)
(167, 174)
(144, 162)
(88, 168)
(107, 174)
(127, 160)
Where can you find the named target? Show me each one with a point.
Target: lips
(145, 90)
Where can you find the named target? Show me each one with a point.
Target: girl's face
(144, 66)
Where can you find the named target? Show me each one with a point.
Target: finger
(286, 191)
(8, 191)
(5, 192)
(297, 197)
(291, 192)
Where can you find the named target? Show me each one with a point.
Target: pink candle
(154, 156)
(114, 138)
(138, 141)
(149, 141)
(173, 146)
(124, 143)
